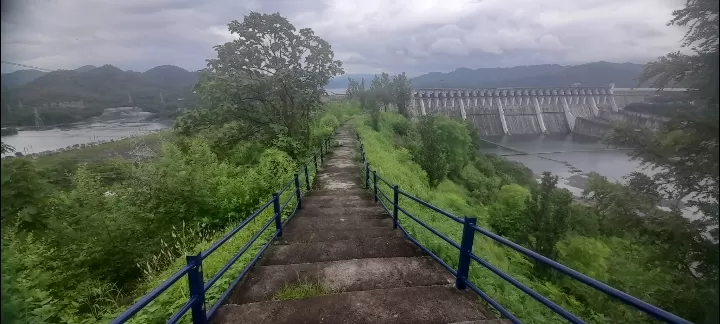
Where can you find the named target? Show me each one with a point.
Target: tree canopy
(684, 152)
(270, 78)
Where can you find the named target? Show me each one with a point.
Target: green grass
(302, 289)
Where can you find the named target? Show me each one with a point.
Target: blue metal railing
(372, 180)
(193, 270)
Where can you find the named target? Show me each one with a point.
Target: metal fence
(193, 270)
(374, 181)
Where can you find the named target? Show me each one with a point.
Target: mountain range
(73, 95)
(106, 83)
(596, 74)
(83, 81)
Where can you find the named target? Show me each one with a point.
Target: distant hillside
(595, 74)
(341, 82)
(171, 76)
(86, 68)
(60, 92)
(20, 77)
(106, 83)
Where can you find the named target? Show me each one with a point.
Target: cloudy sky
(415, 36)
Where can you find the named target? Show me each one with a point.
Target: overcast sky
(415, 36)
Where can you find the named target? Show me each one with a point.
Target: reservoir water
(579, 156)
(578, 152)
(569, 156)
(35, 141)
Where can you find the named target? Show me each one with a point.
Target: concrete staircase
(342, 241)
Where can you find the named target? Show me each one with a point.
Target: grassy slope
(395, 165)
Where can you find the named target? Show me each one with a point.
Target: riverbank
(61, 139)
(138, 147)
(6, 131)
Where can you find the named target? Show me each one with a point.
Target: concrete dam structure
(499, 111)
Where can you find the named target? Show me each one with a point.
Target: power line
(28, 66)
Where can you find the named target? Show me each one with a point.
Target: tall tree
(685, 151)
(353, 89)
(401, 90)
(271, 77)
(382, 87)
(548, 211)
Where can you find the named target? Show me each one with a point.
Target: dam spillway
(507, 111)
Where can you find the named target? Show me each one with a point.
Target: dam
(589, 111)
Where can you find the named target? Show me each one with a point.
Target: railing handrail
(193, 269)
(469, 229)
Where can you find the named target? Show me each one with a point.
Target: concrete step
(339, 200)
(326, 181)
(343, 212)
(341, 276)
(410, 305)
(340, 173)
(486, 321)
(375, 247)
(354, 192)
(342, 163)
(327, 223)
(341, 170)
(297, 236)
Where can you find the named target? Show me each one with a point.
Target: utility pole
(129, 98)
(161, 98)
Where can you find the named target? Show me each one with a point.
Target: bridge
(500, 111)
(342, 242)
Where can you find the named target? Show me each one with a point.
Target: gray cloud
(369, 36)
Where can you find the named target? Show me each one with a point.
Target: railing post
(396, 199)
(315, 161)
(375, 184)
(307, 178)
(197, 289)
(278, 216)
(465, 250)
(367, 175)
(297, 191)
(321, 155)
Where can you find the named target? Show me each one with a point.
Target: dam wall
(507, 111)
(499, 111)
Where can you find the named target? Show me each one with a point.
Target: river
(580, 156)
(115, 123)
(579, 153)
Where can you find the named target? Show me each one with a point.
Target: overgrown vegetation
(302, 289)
(83, 242)
(617, 236)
